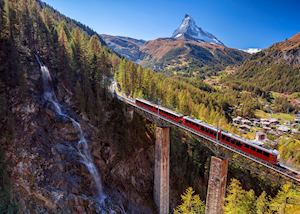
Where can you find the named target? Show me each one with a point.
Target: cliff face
(47, 174)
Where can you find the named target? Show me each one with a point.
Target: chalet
(245, 127)
(274, 121)
(266, 128)
(283, 128)
(237, 120)
(260, 136)
(246, 122)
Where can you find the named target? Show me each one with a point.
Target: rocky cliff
(47, 174)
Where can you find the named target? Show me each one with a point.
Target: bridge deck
(291, 174)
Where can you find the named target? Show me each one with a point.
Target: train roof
(200, 122)
(170, 111)
(160, 107)
(246, 141)
(146, 101)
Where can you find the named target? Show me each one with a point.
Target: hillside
(125, 46)
(276, 68)
(192, 57)
(190, 51)
(56, 153)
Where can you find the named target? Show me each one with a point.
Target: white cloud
(251, 50)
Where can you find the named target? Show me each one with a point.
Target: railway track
(281, 168)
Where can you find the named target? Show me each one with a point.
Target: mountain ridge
(190, 51)
(188, 29)
(276, 68)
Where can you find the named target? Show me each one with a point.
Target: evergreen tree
(239, 201)
(191, 204)
(287, 200)
(262, 204)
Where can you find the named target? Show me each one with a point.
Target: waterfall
(82, 144)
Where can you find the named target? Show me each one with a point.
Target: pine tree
(262, 203)
(234, 198)
(191, 204)
(287, 200)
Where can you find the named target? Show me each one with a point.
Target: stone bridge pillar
(161, 170)
(129, 113)
(216, 186)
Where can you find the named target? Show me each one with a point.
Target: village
(265, 127)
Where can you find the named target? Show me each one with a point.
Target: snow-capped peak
(189, 30)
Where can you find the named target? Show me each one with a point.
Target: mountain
(190, 51)
(276, 68)
(190, 31)
(125, 46)
(189, 56)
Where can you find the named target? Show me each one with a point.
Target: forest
(240, 201)
(191, 96)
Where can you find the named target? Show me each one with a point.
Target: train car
(246, 146)
(271, 156)
(167, 113)
(200, 126)
(176, 117)
(146, 104)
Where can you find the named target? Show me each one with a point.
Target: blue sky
(237, 23)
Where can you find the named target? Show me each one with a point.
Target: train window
(238, 143)
(259, 151)
(252, 148)
(266, 154)
(246, 145)
(223, 137)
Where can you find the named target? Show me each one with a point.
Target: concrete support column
(161, 171)
(216, 186)
(129, 113)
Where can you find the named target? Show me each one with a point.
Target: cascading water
(82, 145)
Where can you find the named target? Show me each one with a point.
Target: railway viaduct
(218, 164)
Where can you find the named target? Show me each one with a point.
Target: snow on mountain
(189, 30)
(251, 50)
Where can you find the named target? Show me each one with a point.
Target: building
(283, 128)
(266, 128)
(237, 120)
(260, 136)
(265, 123)
(246, 122)
(274, 121)
(245, 127)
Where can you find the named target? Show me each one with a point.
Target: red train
(271, 156)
